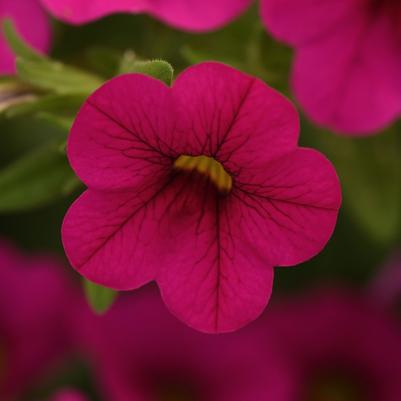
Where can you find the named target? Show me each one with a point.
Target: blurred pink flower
(191, 15)
(341, 345)
(347, 65)
(200, 187)
(69, 395)
(35, 302)
(31, 21)
(140, 352)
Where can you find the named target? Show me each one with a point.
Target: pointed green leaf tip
(158, 69)
(17, 44)
(41, 72)
(99, 298)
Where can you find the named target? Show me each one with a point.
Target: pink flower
(31, 21)
(341, 346)
(69, 395)
(191, 15)
(200, 187)
(35, 303)
(347, 59)
(139, 352)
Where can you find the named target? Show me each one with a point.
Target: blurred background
(358, 267)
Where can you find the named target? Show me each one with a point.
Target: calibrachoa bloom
(347, 59)
(31, 21)
(140, 352)
(200, 187)
(35, 305)
(192, 15)
(341, 345)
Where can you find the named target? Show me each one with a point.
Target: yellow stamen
(208, 167)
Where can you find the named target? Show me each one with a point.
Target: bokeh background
(368, 232)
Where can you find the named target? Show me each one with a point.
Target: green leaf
(56, 77)
(41, 72)
(370, 173)
(158, 69)
(99, 298)
(36, 179)
(57, 104)
(104, 61)
(65, 123)
(17, 44)
(59, 110)
(13, 93)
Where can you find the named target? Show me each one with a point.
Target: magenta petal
(350, 81)
(192, 15)
(195, 15)
(31, 21)
(347, 60)
(112, 245)
(208, 276)
(214, 280)
(37, 303)
(233, 117)
(83, 11)
(289, 210)
(122, 134)
(302, 21)
(216, 283)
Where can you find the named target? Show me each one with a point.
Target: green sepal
(159, 69)
(99, 298)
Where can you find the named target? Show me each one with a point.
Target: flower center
(335, 389)
(208, 167)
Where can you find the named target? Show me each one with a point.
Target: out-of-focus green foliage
(370, 173)
(63, 105)
(37, 178)
(43, 73)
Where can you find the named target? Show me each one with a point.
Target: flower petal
(179, 236)
(195, 15)
(233, 117)
(302, 21)
(192, 15)
(33, 24)
(289, 210)
(37, 305)
(107, 238)
(350, 81)
(224, 289)
(216, 282)
(122, 134)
